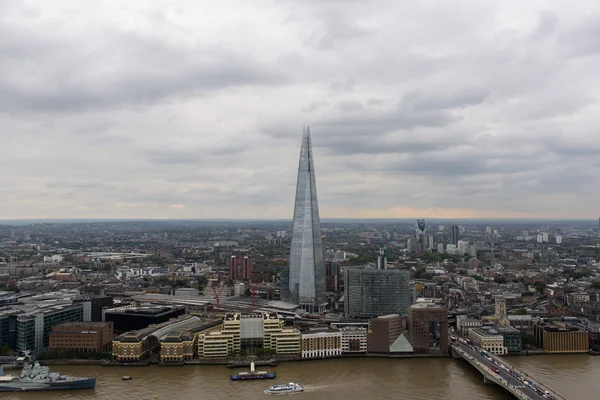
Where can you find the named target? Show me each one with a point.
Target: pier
(498, 371)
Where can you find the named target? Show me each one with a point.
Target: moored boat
(252, 374)
(281, 389)
(34, 377)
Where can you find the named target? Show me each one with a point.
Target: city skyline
(179, 111)
(304, 281)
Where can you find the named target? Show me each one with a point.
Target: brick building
(82, 337)
(428, 327)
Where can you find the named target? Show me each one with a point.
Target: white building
(354, 337)
(545, 237)
(558, 239)
(440, 247)
(464, 323)
(462, 247)
(540, 238)
(451, 249)
(488, 339)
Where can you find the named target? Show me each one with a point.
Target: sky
(195, 109)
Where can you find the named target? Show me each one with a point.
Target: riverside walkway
(497, 370)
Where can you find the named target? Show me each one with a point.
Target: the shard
(303, 282)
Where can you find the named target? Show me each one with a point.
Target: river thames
(575, 377)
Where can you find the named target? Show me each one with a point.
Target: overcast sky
(195, 109)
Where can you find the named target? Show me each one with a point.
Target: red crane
(221, 284)
(253, 290)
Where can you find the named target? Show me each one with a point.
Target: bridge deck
(504, 374)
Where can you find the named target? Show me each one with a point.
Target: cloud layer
(188, 109)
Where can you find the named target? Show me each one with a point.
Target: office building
(82, 337)
(303, 282)
(560, 338)
(373, 292)
(440, 247)
(98, 303)
(488, 339)
(354, 336)
(464, 323)
(454, 235)
(382, 259)
(382, 332)
(320, 342)
(558, 239)
(512, 338)
(462, 247)
(34, 326)
(171, 339)
(134, 318)
(286, 342)
(428, 328)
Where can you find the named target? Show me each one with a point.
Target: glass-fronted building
(373, 292)
(303, 282)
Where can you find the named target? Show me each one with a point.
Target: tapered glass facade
(304, 281)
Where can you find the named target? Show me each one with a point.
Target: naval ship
(34, 377)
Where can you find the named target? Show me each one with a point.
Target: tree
(596, 285)
(540, 287)
(520, 311)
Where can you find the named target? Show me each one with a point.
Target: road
(507, 376)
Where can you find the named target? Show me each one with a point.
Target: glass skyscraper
(303, 282)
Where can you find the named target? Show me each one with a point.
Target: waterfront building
(560, 338)
(97, 304)
(319, 342)
(303, 282)
(464, 323)
(134, 318)
(82, 337)
(232, 324)
(428, 328)
(354, 336)
(373, 292)
(215, 344)
(382, 332)
(286, 342)
(135, 346)
(488, 339)
(513, 341)
(271, 324)
(33, 326)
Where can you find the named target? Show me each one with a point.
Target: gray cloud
(112, 111)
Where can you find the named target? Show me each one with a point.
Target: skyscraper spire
(304, 281)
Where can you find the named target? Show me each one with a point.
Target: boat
(252, 374)
(281, 389)
(126, 378)
(34, 377)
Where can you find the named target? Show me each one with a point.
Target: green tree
(596, 285)
(520, 311)
(540, 287)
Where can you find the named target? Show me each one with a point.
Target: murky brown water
(576, 377)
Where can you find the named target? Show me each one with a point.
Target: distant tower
(239, 267)
(491, 238)
(421, 238)
(421, 226)
(382, 260)
(454, 235)
(303, 282)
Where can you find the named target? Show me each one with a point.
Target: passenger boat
(126, 378)
(281, 389)
(246, 376)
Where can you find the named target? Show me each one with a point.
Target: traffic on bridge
(502, 373)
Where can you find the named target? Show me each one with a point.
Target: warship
(35, 377)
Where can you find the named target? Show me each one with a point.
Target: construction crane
(253, 291)
(221, 284)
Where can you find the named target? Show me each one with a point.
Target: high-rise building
(239, 267)
(303, 282)
(381, 260)
(454, 235)
(374, 292)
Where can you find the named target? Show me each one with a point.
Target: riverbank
(237, 363)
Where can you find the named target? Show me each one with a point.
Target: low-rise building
(286, 342)
(82, 337)
(488, 339)
(464, 323)
(559, 338)
(354, 337)
(319, 342)
(512, 338)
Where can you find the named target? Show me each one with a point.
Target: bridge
(498, 371)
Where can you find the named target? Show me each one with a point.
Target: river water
(576, 377)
